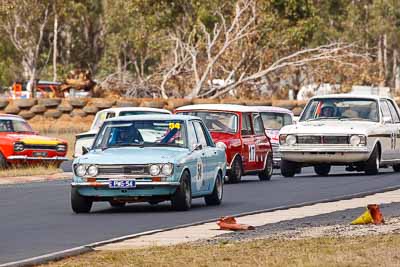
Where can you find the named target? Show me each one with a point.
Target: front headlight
(356, 140)
(18, 147)
(80, 170)
(167, 169)
(291, 140)
(92, 170)
(61, 148)
(154, 170)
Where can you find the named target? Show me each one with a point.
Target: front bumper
(25, 158)
(325, 154)
(139, 184)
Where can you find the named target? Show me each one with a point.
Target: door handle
(203, 154)
(215, 152)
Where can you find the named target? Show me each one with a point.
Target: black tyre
(322, 169)
(372, 164)
(288, 168)
(216, 196)
(3, 162)
(396, 167)
(80, 204)
(117, 204)
(236, 171)
(266, 174)
(153, 202)
(182, 198)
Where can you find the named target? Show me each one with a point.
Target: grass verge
(383, 250)
(29, 171)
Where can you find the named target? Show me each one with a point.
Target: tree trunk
(380, 59)
(385, 60)
(55, 51)
(396, 74)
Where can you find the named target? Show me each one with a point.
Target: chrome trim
(22, 157)
(324, 149)
(138, 183)
(122, 176)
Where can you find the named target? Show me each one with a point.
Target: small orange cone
(229, 223)
(371, 215)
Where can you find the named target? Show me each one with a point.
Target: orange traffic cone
(229, 223)
(371, 215)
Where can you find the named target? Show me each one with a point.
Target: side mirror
(197, 147)
(85, 150)
(221, 145)
(387, 119)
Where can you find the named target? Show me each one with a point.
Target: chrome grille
(316, 139)
(275, 151)
(335, 140)
(43, 147)
(309, 139)
(124, 169)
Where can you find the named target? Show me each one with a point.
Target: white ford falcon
(360, 132)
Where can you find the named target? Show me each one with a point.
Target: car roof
(154, 117)
(360, 96)
(273, 109)
(10, 117)
(219, 107)
(137, 109)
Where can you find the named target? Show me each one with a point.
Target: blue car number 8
(122, 183)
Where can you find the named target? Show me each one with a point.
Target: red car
(240, 128)
(20, 144)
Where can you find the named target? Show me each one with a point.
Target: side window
(110, 115)
(393, 111)
(192, 138)
(246, 125)
(200, 133)
(258, 125)
(385, 109)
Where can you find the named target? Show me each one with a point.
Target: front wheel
(216, 196)
(322, 170)
(288, 168)
(79, 203)
(236, 171)
(372, 164)
(396, 167)
(182, 198)
(117, 204)
(266, 174)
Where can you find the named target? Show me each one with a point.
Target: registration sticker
(119, 183)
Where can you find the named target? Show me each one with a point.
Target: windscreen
(275, 121)
(7, 125)
(141, 133)
(341, 108)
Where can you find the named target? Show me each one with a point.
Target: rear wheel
(117, 204)
(3, 162)
(396, 167)
(216, 196)
(372, 164)
(236, 171)
(322, 169)
(266, 174)
(79, 203)
(182, 198)
(288, 168)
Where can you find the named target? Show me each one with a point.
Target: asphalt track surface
(36, 218)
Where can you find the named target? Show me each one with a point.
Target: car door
(248, 143)
(262, 144)
(389, 129)
(394, 111)
(203, 168)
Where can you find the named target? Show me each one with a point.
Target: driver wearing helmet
(327, 110)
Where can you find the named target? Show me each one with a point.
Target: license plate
(119, 183)
(39, 154)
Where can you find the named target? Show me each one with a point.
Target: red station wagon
(240, 128)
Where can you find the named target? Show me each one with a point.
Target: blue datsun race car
(150, 158)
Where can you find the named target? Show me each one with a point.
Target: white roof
(118, 110)
(219, 107)
(11, 117)
(373, 97)
(273, 109)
